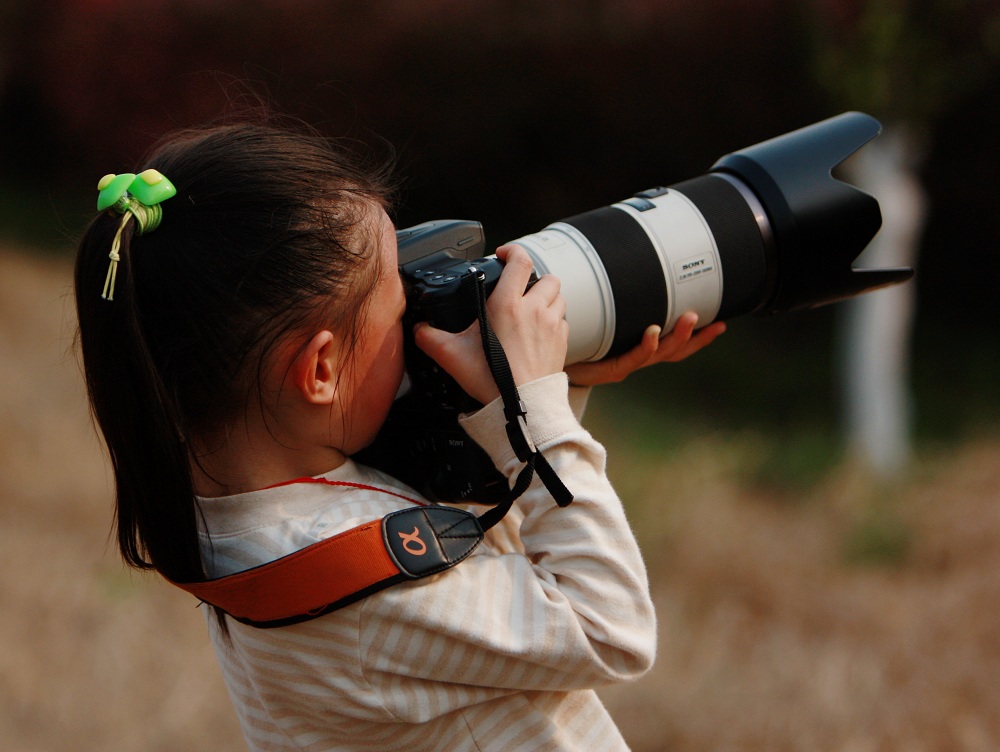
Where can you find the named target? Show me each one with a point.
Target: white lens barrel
(688, 253)
(683, 255)
(564, 252)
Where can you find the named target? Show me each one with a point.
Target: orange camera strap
(404, 545)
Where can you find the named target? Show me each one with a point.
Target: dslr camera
(768, 229)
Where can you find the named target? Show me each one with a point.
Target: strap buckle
(517, 431)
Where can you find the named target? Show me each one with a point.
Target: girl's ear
(315, 369)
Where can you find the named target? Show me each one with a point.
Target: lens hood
(819, 224)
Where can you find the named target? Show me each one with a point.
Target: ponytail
(155, 506)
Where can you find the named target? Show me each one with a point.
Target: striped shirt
(500, 653)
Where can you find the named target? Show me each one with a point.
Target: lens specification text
(690, 268)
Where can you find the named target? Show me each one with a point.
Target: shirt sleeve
(570, 611)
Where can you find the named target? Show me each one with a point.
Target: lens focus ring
(634, 272)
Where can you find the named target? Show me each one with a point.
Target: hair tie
(136, 196)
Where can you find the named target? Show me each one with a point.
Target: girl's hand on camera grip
(530, 325)
(682, 342)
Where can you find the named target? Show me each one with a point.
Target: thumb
(447, 349)
(461, 356)
(434, 342)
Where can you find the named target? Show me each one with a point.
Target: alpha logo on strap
(419, 548)
(426, 540)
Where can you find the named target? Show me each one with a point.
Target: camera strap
(514, 410)
(407, 544)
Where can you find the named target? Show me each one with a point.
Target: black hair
(266, 233)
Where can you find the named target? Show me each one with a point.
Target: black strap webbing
(515, 412)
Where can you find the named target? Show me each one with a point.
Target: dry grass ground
(772, 637)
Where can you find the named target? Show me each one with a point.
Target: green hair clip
(136, 196)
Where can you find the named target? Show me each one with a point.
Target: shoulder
(248, 530)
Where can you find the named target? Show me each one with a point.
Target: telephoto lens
(767, 229)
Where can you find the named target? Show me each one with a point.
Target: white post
(877, 326)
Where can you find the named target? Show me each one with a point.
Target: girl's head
(274, 233)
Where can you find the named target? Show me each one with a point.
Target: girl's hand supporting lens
(530, 325)
(682, 342)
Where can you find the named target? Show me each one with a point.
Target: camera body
(421, 442)
(768, 229)
(434, 259)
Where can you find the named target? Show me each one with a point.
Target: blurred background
(817, 494)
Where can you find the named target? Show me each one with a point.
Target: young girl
(242, 343)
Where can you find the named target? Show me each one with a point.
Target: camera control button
(548, 240)
(652, 192)
(642, 204)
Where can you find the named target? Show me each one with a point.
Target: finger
(706, 336)
(434, 342)
(638, 356)
(516, 273)
(699, 341)
(558, 307)
(504, 250)
(617, 368)
(546, 289)
(682, 331)
(642, 352)
(460, 355)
